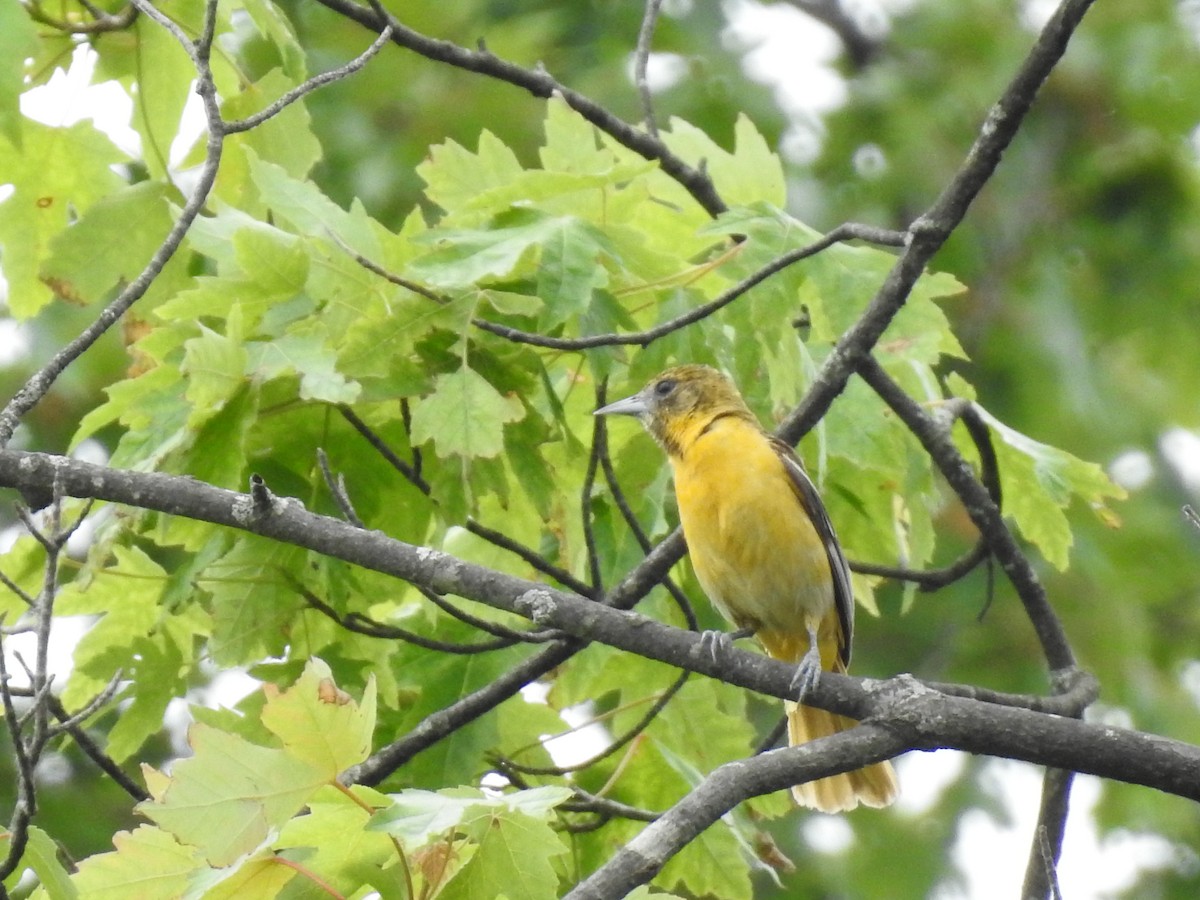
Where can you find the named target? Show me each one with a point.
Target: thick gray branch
(919, 717)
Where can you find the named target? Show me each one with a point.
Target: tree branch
(539, 83)
(641, 60)
(935, 438)
(848, 231)
(39, 384)
(929, 232)
(928, 719)
(861, 48)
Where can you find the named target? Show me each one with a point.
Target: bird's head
(678, 404)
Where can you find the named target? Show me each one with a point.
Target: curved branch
(927, 579)
(38, 385)
(848, 231)
(660, 703)
(317, 81)
(930, 231)
(727, 786)
(364, 625)
(539, 83)
(101, 20)
(641, 61)
(926, 718)
(934, 436)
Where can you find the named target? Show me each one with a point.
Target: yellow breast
(754, 550)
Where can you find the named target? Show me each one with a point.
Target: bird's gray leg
(808, 672)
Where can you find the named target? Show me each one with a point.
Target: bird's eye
(664, 387)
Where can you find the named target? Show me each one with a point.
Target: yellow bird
(763, 549)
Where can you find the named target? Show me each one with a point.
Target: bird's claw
(716, 644)
(808, 674)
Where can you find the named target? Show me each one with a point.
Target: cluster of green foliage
(267, 325)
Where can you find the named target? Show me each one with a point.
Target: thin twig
(616, 744)
(848, 231)
(585, 494)
(72, 724)
(1041, 872)
(18, 590)
(365, 625)
(610, 809)
(39, 384)
(380, 446)
(1191, 515)
(539, 83)
(641, 61)
(927, 579)
(493, 628)
(101, 20)
(317, 81)
(337, 489)
(772, 738)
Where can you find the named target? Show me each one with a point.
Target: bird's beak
(630, 406)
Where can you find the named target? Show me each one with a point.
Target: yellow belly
(754, 550)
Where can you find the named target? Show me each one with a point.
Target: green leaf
(571, 144)
(454, 176)
(1039, 482)
(273, 25)
(41, 855)
(156, 669)
(110, 244)
(276, 260)
(512, 303)
(18, 42)
(126, 594)
(466, 256)
(58, 173)
(228, 797)
(711, 865)
(464, 416)
(417, 818)
(301, 205)
(515, 841)
(331, 839)
(160, 98)
(254, 610)
(320, 724)
(215, 366)
(751, 174)
(515, 850)
(148, 863)
(305, 352)
(569, 270)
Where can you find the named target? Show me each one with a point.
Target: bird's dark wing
(806, 492)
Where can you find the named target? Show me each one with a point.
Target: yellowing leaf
(232, 794)
(320, 724)
(148, 863)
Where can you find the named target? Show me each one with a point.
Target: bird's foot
(718, 644)
(808, 674)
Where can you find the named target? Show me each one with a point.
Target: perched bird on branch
(763, 549)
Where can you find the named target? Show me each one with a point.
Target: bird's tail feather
(875, 785)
